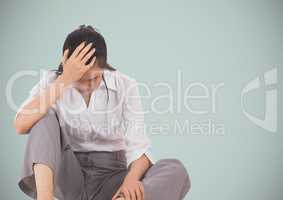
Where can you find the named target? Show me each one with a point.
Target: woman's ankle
(44, 181)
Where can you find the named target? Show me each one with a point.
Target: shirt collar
(109, 79)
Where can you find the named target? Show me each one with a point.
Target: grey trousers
(92, 175)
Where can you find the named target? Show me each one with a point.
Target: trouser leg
(167, 179)
(46, 145)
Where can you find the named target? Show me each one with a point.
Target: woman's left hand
(130, 190)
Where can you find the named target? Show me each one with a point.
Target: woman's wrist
(63, 82)
(132, 177)
(136, 171)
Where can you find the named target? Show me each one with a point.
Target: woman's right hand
(75, 66)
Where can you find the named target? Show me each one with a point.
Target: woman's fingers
(84, 51)
(133, 194)
(88, 55)
(64, 57)
(127, 195)
(116, 194)
(78, 49)
(142, 191)
(91, 62)
(139, 194)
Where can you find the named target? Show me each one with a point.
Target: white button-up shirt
(101, 126)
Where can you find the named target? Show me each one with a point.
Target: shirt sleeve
(137, 141)
(46, 78)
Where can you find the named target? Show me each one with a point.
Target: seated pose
(86, 134)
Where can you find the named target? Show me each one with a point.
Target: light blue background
(211, 42)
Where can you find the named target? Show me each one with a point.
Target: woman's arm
(39, 105)
(139, 158)
(74, 68)
(138, 168)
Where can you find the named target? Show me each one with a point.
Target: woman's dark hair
(87, 34)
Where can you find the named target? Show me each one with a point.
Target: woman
(86, 133)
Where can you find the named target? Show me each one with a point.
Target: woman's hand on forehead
(75, 66)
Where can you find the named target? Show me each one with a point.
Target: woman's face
(90, 79)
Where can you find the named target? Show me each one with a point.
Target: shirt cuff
(137, 154)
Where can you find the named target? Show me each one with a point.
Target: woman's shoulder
(47, 76)
(121, 77)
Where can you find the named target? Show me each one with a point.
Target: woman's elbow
(20, 128)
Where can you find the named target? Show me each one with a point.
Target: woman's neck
(95, 84)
